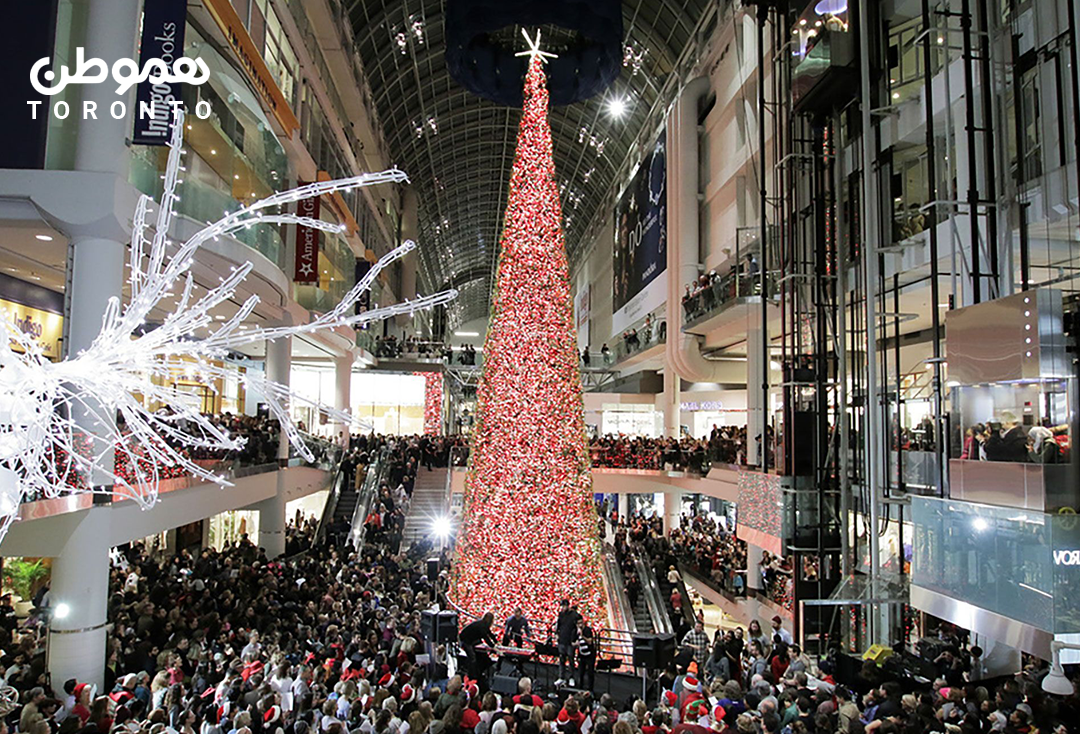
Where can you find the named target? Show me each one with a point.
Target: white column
(78, 597)
(672, 509)
(343, 394)
(624, 505)
(755, 378)
(671, 403)
(753, 567)
(272, 509)
(97, 262)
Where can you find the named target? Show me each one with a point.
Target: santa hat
(671, 698)
(386, 680)
(408, 693)
(718, 713)
(691, 683)
(469, 719)
(563, 717)
(471, 689)
(272, 714)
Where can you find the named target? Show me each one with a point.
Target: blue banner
(162, 38)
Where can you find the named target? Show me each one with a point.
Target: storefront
(34, 311)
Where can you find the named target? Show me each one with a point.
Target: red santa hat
(691, 683)
(671, 698)
(563, 717)
(386, 681)
(272, 715)
(408, 693)
(718, 713)
(469, 719)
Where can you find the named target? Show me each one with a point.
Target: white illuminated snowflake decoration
(112, 384)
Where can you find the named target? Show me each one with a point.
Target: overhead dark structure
(586, 65)
(458, 147)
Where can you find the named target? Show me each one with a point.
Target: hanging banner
(307, 242)
(581, 315)
(640, 256)
(162, 38)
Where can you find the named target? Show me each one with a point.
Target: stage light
(62, 611)
(442, 527)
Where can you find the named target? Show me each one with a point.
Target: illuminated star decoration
(534, 51)
(528, 537)
(86, 424)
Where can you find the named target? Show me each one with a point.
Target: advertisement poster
(640, 256)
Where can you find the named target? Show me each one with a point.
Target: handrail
(357, 524)
(617, 591)
(329, 506)
(653, 600)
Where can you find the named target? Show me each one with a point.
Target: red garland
(529, 532)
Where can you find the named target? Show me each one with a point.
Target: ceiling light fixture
(466, 333)
(44, 237)
(617, 106)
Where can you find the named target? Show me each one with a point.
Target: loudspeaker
(504, 684)
(432, 569)
(439, 627)
(654, 651)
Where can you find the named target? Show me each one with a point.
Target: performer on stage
(472, 635)
(516, 628)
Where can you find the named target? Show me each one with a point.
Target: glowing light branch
(62, 423)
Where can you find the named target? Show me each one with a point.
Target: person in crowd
(566, 630)
(516, 628)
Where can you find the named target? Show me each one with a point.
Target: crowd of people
(724, 445)
(328, 640)
(390, 347)
(1010, 440)
(713, 552)
(712, 288)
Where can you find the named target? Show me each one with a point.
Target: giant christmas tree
(529, 536)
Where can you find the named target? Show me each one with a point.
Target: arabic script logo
(125, 73)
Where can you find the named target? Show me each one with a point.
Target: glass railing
(1021, 564)
(635, 340)
(204, 203)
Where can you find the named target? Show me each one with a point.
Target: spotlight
(980, 524)
(617, 107)
(441, 527)
(62, 611)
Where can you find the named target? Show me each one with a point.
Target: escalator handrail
(330, 505)
(650, 587)
(357, 524)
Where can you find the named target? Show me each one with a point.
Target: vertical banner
(162, 38)
(582, 306)
(640, 257)
(307, 241)
(363, 303)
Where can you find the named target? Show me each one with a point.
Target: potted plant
(24, 577)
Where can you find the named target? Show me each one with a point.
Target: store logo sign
(1067, 558)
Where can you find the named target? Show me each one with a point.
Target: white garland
(45, 406)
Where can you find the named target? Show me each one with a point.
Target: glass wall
(233, 157)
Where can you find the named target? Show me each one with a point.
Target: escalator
(652, 596)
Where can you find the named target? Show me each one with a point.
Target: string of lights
(114, 399)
